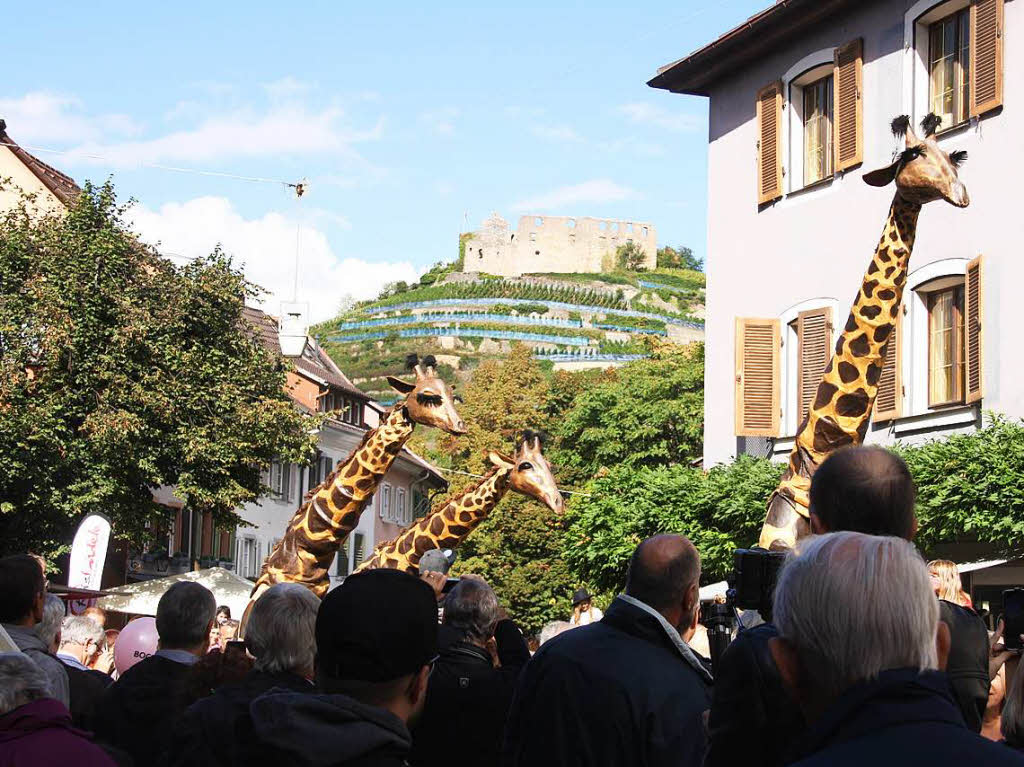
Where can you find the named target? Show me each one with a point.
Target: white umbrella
(142, 598)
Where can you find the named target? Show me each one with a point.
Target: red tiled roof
(324, 370)
(758, 36)
(61, 185)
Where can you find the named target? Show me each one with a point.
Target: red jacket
(40, 733)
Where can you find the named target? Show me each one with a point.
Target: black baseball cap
(376, 626)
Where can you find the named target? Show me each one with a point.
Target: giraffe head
(429, 400)
(923, 172)
(530, 472)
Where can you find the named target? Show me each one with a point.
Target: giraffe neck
(332, 511)
(841, 410)
(444, 528)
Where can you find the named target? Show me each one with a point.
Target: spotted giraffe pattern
(331, 511)
(444, 528)
(841, 410)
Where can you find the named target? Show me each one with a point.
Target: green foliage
(969, 486)
(497, 288)
(630, 257)
(720, 511)
(679, 258)
(649, 414)
(121, 373)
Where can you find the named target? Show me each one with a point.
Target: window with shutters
(280, 480)
(385, 503)
(889, 396)
(957, 69)
(358, 549)
(400, 507)
(814, 350)
(757, 400)
(974, 343)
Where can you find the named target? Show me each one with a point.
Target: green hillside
(568, 320)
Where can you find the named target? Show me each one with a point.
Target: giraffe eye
(525, 466)
(428, 399)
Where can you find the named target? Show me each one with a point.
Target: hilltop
(570, 321)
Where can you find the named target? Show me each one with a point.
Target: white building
(801, 98)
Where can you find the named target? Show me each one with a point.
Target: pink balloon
(136, 641)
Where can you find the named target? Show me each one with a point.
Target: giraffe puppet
(528, 473)
(331, 511)
(841, 410)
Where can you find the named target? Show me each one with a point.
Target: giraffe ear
(500, 460)
(882, 176)
(400, 386)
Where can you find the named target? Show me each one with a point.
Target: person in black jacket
(280, 635)
(81, 641)
(376, 641)
(861, 489)
(627, 690)
(139, 711)
(468, 699)
(859, 645)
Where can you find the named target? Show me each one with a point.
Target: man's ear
(787, 659)
(817, 528)
(418, 686)
(942, 643)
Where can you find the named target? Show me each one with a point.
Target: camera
(751, 587)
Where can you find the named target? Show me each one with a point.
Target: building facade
(555, 244)
(801, 100)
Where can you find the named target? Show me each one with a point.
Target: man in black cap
(376, 641)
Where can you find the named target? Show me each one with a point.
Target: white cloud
(595, 191)
(265, 248)
(441, 121)
(654, 115)
(44, 116)
(282, 130)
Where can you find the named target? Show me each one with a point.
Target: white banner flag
(89, 552)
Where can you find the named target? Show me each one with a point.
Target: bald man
(627, 689)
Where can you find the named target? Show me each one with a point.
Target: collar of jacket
(25, 638)
(463, 651)
(898, 696)
(643, 621)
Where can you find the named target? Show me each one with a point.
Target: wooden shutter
(769, 143)
(986, 54)
(757, 377)
(814, 336)
(974, 340)
(889, 399)
(847, 87)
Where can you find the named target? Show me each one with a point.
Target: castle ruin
(555, 244)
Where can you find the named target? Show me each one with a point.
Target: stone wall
(555, 244)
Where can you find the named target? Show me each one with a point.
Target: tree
(650, 413)
(121, 373)
(517, 549)
(630, 257)
(679, 258)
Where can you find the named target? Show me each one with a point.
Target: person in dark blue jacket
(627, 690)
(859, 647)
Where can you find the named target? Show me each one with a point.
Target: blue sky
(404, 118)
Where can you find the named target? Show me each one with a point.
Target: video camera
(751, 587)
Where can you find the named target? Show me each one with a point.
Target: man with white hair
(860, 646)
(281, 635)
(34, 727)
(81, 640)
(139, 711)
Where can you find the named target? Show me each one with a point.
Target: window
(385, 503)
(400, 509)
(817, 130)
(341, 563)
(757, 393)
(358, 549)
(248, 557)
(280, 480)
(949, 82)
(946, 346)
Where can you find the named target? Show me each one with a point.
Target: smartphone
(1013, 618)
(449, 584)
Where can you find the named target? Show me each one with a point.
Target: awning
(970, 567)
(142, 598)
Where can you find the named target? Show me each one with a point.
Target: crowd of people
(870, 656)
